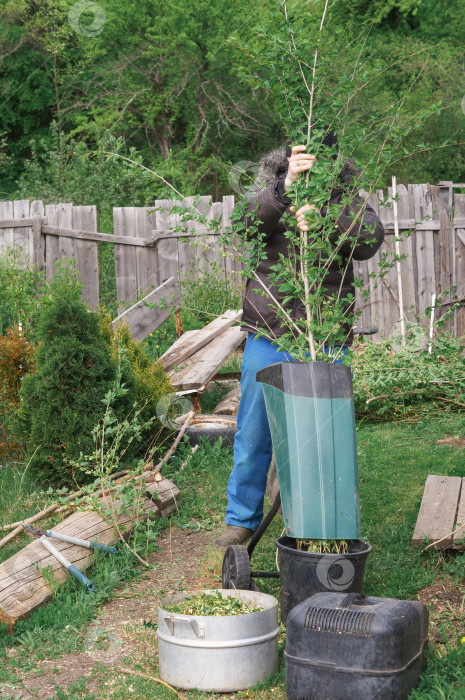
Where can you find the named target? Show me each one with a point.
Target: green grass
(394, 461)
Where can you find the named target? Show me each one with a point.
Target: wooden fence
(435, 258)
(148, 251)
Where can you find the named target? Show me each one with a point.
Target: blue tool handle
(103, 547)
(80, 577)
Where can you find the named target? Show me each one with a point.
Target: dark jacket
(258, 311)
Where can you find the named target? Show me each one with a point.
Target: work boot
(234, 534)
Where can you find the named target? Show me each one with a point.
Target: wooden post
(178, 320)
(447, 250)
(459, 247)
(397, 248)
(196, 403)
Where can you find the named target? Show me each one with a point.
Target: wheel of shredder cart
(236, 568)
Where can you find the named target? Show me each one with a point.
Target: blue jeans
(252, 444)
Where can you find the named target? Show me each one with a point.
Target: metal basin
(219, 654)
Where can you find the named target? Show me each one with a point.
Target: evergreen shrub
(63, 400)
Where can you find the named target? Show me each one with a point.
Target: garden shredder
(311, 414)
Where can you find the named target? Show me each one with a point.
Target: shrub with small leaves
(404, 382)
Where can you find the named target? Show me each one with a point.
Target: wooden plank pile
(441, 519)
(193, 360)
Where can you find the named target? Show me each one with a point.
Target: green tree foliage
(160, 75)
(64, 399)
(166, 80)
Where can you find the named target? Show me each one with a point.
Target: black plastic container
(302, 574)
(342, 647)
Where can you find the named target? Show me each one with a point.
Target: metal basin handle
(199, 630)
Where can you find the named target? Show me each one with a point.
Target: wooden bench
(195, 358)
(441, 519)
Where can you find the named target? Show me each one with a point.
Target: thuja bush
(63, 399)
(406, 382)
(16, 360)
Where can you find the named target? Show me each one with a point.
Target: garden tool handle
(350, 599)
(81, 543)
(67, 564)
(80, 577)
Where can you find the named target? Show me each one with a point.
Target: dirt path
(184, 561)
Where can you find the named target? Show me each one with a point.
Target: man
(252, 444)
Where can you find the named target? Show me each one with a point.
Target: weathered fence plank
(187, 250)
(52, 243)
(147, 258)
(125, 257)
(459, 210)
(92, 236)
(6, 235)
(167, 248)
(406, 248)
(37, 245)
(424, 247)
(437, 515)
(21, 234)
(86, 253)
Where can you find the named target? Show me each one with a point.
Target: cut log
(437, 516)
(187, 344)
(165, 494)
(22, 585)
(230, 403)
(202, 365)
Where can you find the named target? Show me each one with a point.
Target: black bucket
(302, 574)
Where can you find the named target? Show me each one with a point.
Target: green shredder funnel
(310, 409)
